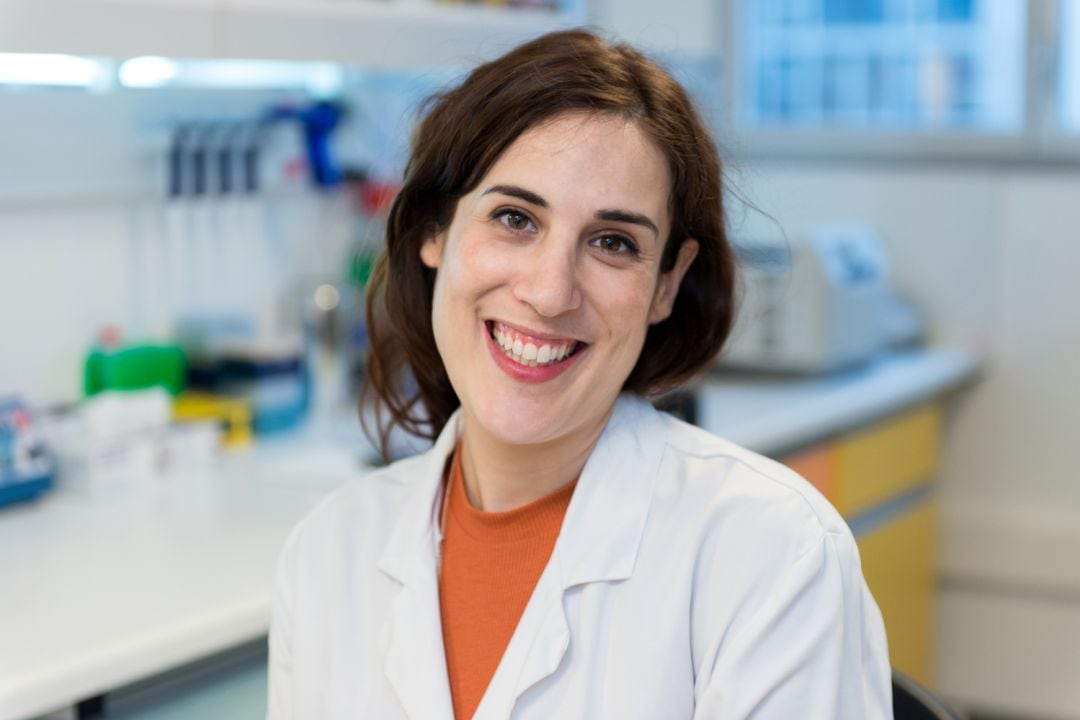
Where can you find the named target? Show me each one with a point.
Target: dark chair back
(911, 701)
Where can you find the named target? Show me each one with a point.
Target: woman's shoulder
(729, 485)
(363, 510)
(748, 522)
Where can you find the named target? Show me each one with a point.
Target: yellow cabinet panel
(881, 461)
(818, 465)
(898, 563)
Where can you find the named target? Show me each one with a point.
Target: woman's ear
(432, 249)
(668, 285)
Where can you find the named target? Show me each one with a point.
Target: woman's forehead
(585, 159)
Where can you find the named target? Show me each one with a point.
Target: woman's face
(549, 276)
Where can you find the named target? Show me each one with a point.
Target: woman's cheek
(624, 293)
(488, 260)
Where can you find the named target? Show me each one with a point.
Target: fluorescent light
(57, 70)
(147, 72)
(321, 79)
(325, 80)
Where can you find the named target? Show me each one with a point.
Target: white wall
(63, 274)
(687, 27)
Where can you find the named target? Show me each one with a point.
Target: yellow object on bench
(233, 414)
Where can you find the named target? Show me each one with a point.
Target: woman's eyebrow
(519, 192)
(627, 217)
(610, 215)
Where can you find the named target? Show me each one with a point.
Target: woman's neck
(500, 476)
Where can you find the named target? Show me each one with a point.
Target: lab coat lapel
(414, 658)
(603, 526)
(535, 651)
(598, 543)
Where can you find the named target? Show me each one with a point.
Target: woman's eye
(514, 219)
(616, 244)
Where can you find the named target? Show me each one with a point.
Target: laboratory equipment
(27, 467)
(113, 435)
(135, 367)
(271, 377)
(317, 122)
(268, 378)
(816, 302)
(231, 415)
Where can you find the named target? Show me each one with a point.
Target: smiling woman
(558, 252)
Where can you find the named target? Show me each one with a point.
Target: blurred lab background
(192, 195)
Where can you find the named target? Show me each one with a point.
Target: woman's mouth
(531, 351)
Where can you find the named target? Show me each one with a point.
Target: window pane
(1069, 77)
(908, 65)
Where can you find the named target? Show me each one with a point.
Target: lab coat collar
(407, 556)
(606, 517)
(598, 543)
(603, 523)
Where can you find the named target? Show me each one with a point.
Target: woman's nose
(549, 280)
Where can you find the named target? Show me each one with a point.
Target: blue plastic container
(26, 466)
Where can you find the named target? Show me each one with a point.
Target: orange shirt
(490, 564)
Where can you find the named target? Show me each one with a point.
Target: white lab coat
(692, 579)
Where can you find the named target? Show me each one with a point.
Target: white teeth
(528, 353)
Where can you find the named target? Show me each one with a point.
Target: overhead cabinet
(110, 28)
(380, 33)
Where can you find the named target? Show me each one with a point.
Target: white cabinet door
(110, 28)
(374, 33)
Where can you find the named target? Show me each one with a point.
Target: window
(907, 66)
(1069, 69)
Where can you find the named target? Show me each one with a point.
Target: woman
(558, 251)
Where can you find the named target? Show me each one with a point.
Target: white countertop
(774, 414)
(105, 586)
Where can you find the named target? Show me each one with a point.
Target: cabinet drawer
(818, 464)
(898, 564)
(881, 461)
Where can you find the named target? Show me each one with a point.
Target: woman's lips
(531, 358)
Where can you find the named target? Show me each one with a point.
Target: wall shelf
(378, 34)
(110, 28)
(373, 33)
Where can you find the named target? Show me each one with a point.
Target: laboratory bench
(107, 584)
(119, 585)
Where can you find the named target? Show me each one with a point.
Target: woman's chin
(516, 423)
(511, 432)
